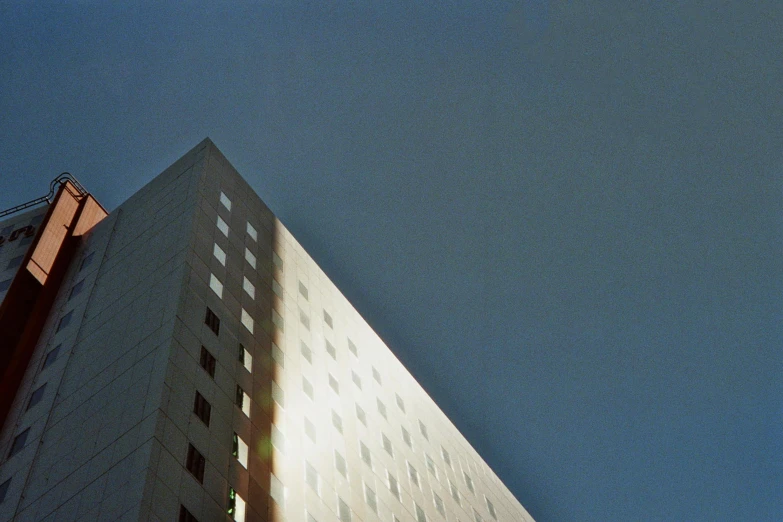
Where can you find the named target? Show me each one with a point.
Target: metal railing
(62, 179)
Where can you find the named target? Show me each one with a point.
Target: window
(328, 319)
(420, 515)
(202, 408)
(216, 285)
(51, 356)
(219, 254)
(406, 436)
(337, 421)
(236, 506)
(356, 379)
(14, 262)
(468, 482)
(5, 284)
(36, 397)
(446, 456)
(225, 201)
(361, 415)
(333, 384)
(212, 321)
(195, 463)
(239, 450)
(304, 319)
(423, 430)
(277, 320)
(454, 492)
(491, 508)
(311, 477)
(307, 388)
(381, 408)
(185, 515)
(400, 403)
(431, 465)
(76, 290)
(387, 445)
(278, 395)
(250, 258)
(278, 440)
(245, 358)
(243, 401)
(222, 226)
(248, 287)
(306, 352)
(207, 361)
(309, 429)
(477, 517)
(413, 474)
(339, 464)
(369, 497)
(330, 350)
(86, 261)
(65, 321)
(364, 451)
(394, 487)
(303, 290)
(247, 321)
(352, 347)
(439, 504)
(18, 443)
(277, 289)
(278, 356)
(376, 375)
(276, 261)
(252, 232)
(4, 489)
(343, 511)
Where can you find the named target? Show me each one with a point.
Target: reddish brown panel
(51, 238)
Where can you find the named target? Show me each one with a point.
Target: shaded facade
(194, 363)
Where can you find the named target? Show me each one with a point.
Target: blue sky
(564, 217)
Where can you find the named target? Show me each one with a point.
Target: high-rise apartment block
(183, 358)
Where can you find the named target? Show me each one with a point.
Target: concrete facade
(311, 417)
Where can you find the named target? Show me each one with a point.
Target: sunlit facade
(195, 363)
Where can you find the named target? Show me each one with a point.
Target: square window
(306, 352)
(413, 474)
(51, 356)
(76, 290)
(394, 487)
(381, 408)
(277, 320)
(328, 319)
(245, 358)
(400, 403)
(277, 289)
(216, 285)
(303, 290)
(339, 464)
(406, 436)
(185, 515)
(236, 506)
(420, 515)
(86, 261)
(36, 397)
(376, 375)
(439, 504)
(248, 287)
(333, 384)
(278, 355)
(387, 445)
(212, 321)
(250, 258)
(361, 415)
(352, 347)
(309, 430)
(304, 319)
(423, 430)
(18, 443)
(454, 492)
(343, 511)
(276, 260)
(431, 465)
(4, 285)
(468, 482)
(369, 497)
(356, 379)
(207, 361)
(308, 388)
(240, 450)
(225, 201)
(202, 408)
(243, 401)
(446, 456)
(252, 232)
(222, 226)
(14, 262)
(311, 477)
(330, 350)
(278, 439)
(219, 254)
(195, 463)
(491, 508)
(65, 320)
(278, 395)
(247, 321)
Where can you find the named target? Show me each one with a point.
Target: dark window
(212, 321)
(15, 261)
(86, 261)
(328, 319)
(51, 356)
(18, 442)
(185, 515)
(36, 397)
(65, 321)
(76, 290)
(207, 362)
(5, 284)
(4, 489)
(195, 463)
(202, 408)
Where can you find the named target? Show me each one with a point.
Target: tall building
(183, 358)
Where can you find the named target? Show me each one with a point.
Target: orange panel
(55, 230)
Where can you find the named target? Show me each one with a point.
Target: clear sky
(564, 217)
